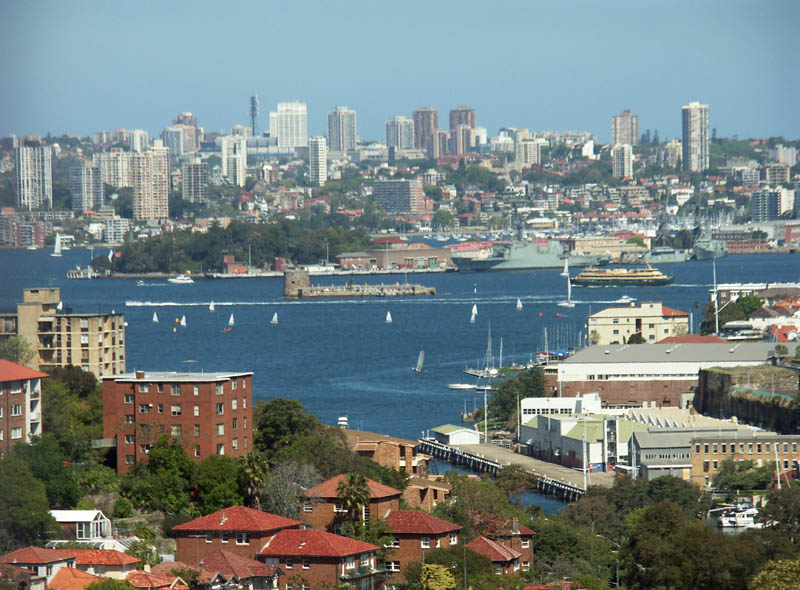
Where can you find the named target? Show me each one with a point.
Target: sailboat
(60, 306)
(568, 302)
(565, 272)
(155, 318)
(110, 255)
(420, 360)
(474, 313)
(388, 317)
(183, 321)
(519, 304)
(231, 321)
(211, 306)
(57, 247)
(274, 319)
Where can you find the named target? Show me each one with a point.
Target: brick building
(95, 342)
(41, 562)
(236, 529)
(389, 451)
(245, 573)
(318, 557)
(414, 533)
(426, 493)
(507, 531)
(321, 508)
(504, 559)
(210, 413)
(20, 404)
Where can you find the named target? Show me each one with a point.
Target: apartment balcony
(362, 572)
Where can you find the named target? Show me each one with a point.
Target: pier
(298, 286)
(551, 478)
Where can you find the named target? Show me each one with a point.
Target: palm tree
(253, 474)
(354, 495)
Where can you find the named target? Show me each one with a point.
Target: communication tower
(254, 115)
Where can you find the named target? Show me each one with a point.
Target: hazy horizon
(83, 66)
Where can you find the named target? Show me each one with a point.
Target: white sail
(57, 247)
(231, 321)
(60, 305)
(211, 306)
(565, 272)
(274, 318)
(110, 255)
(183, 321)
(155, 318)
(388, 317)
(568, 302)
(519, 304)
(420, 360)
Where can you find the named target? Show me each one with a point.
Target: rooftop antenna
(191, 364)
(254, 115)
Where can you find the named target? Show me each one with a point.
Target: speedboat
(460, 386)
(743, 515)
(181, 280)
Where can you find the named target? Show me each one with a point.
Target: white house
(450, 434)
(83, 525)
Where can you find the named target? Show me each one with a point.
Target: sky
(549, 65)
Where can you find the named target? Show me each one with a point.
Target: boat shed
(449, 434)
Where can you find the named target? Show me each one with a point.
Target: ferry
(619, 277)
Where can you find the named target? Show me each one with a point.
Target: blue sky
(79, 66)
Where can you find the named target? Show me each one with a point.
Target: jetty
(297, 285)
(550, 478)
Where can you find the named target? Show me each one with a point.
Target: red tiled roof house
(416, 532)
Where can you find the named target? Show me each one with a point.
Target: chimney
(140, 374)
(146, 567)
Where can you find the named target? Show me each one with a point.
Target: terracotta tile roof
(103, 557)
(70, 578)
(411, 522)
(668, 312)
(330, 489)
(13, 372)
(690, 338)
(165, 568)
(496, 552)
(142, 579)
(493, 525)
(313, 543)
(36, 555)
(238, 518)
(230, 564)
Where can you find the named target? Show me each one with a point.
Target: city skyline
(566, 84)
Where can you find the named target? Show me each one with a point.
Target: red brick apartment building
(321, 508)
(20, 405)
(504, 559)
(508, 532)
(416, 532)
(236, 529)
(211, 413)
(318, 557)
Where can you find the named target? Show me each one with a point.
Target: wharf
(550, 478)
(297, 286)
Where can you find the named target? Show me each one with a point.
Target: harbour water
(340, 356)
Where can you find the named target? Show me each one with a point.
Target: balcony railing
(362, 572)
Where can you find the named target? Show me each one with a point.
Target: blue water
(339, 356)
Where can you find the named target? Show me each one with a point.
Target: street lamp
(616, 552)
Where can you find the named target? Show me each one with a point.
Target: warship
(524, 255)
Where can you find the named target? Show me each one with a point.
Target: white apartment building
(173, 139)
(342, 129)
(140, 139)
(34, 177)
(528, 152)
(651, 319)
(695, 137)
(622, 160)
(86, 186)
(290, 125)
(625, 128)
(150, 181)
(317, 160)
(233, 150)
(400, 133)
(115, 167)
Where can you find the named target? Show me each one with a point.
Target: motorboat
(181, 280)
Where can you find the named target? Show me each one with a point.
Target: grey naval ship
(524, 255)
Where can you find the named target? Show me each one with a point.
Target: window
(705, 448)
(242, 538)
(454, 539)
(364, 561)
(219, 388)
(244, 403)
(337, 506)
(160, 387)
(244, 383)
(220, 449)
(351, 563)
(616, 331)
(220, 409)
(144, 449)
(758, 448)
(526, 566)
(16, 387)
(526, 542)
(715, 464)
(144, 387)
(160, 408)
(438, 541)
(235, 423)
(220, 429)
(724, 448)
(130, 459)
(196, 410)
(129, 418)
(209, 537)
(197, 430)
(289, 563)
(306, 564)
(128, 398)
(196, 389)
(16, 432)
(234, 404)
(766, 447)
(705, 466)
(176, 430)
(425, 542)
(84, 339)
(130, 439)
(393, 566)
(235, 443)
(175, 389)
(394, 543)
(160, 428)
(176, 409)
(233, 384)
(144, 408)
(308, 506)
(697, 448)
(714, 448)
(244, 423)
(196, 450)
(16, 410)
(84, 323)
(224, 537)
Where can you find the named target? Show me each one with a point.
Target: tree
(636, 240)
(783, 512)
(437, 577)
(354, 495)
(442, 219)
(17, 350)
(279, 422)
(750, 304)
(253, 474)
(24, 511)
(778, 575)
(636, 338)
(513, 480)
(49, 465)
(282, 488)
(217, 484)
(503, 402)
(110, 584)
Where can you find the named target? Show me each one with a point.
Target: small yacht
(181, 280)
